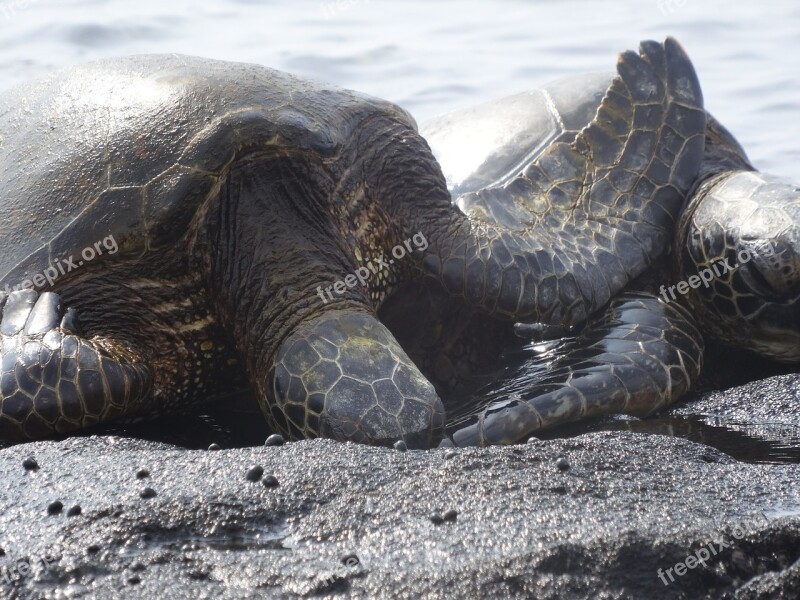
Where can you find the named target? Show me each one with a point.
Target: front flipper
(52, 380)
(342, 375)
(638, 357)
(585, 218)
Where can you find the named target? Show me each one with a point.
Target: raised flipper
(342, 375)
(585, 218)
(52, 380)
(639, 356)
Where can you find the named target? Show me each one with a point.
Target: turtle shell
(132, 147)
(490, 144)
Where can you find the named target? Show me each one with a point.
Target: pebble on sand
(55, 508)
(400, 446)
(74, 511)
(562, 464)
(254, 473)
(270, 481)
(30, 464)
(275, 439)
(142, 474)
(147, 492)
(214, 447)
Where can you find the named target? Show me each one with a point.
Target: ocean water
(433, 56)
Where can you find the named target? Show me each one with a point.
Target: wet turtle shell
(136, 145)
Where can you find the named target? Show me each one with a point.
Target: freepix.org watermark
(704, 553)
(331, 9)
(717, 268)
(668, 6)
(13, 570)
(9, 8)
(361, 275)
(63, 266)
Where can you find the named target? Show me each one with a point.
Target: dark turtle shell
(132, 147)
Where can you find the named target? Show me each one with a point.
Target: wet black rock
(148, 492)
(436, 519)
(55, 507)
(270, 481)
(74, 511)
(632, 508)
(214, 447)
(562, 464)
(400, 446)
(275, 439)
(30, 464)
(142, 474)
(450, 515)
(254, 473)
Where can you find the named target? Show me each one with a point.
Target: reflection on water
(229, 538)
(747, 442)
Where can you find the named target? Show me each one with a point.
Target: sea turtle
(736, 250)
(184, 228)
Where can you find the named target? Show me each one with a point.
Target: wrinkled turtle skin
(235, 195)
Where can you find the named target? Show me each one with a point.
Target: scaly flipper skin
(52, 380)
(559, 241)
(639, 356)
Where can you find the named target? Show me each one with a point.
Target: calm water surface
(437, 55)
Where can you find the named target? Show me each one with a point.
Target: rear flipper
(637, 357)
(52, 380)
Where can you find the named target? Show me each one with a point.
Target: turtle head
(342, 375)
(741, 238)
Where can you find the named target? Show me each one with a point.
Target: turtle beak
(377, 429)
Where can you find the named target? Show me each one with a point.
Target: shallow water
(435, 56)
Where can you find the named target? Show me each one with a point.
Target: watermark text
(372, 267)
(717, 268)
(706, 552)
(63, 266)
